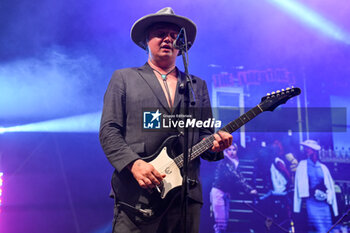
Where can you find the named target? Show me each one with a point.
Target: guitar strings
(172, 163)
(244, 118)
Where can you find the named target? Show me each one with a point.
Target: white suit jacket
(301, 187)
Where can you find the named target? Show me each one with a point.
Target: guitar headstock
(273, 100)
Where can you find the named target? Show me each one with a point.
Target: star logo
(151, 120)
(156, 115)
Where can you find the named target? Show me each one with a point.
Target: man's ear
(146, 45)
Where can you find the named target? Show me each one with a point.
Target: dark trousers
(170, 222)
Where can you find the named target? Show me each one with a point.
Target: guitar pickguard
(164, 164)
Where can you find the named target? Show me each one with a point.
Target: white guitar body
(164, 164)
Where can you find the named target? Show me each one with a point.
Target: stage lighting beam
(86, 123)
(313, 19)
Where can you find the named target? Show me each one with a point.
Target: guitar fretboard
(207, 143)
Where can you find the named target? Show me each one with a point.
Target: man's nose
(171, 35)
(168, 37)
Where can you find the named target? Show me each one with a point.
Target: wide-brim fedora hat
(165, 15)
(311, 144)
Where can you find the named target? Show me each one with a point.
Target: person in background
(279, 197)
(227, 181)
(315, 186)
(280, 175)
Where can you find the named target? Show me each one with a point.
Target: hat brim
(138, 30)
(314, 147)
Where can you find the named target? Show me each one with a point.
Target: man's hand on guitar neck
(222, 141)
(145, 174)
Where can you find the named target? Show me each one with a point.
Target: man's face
(310, 153)
(231, 152)
(160, 42)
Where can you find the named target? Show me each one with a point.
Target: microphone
(179, 42)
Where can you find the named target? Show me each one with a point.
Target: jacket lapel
(147, 74)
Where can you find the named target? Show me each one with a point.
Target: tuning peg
(273, 92)
(268, 94)
(292, 86)
(282, 90)
(287, 88)
(278, 91)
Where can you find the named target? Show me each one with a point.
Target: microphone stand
(339, 220)
(187, 91)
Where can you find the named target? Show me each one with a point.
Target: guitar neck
(207, 143)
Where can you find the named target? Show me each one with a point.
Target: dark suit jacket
(122, 136)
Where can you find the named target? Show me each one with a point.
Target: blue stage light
(313, 19)
(87, 123)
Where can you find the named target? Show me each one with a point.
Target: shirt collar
(317, 164)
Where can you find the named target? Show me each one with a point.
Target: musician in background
(280, 174)
(281, 178)
(227, 181)
(154, 85)
(315, 186)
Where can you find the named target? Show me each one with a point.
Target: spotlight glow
(1, 182)
(81, 123)
(313, 19)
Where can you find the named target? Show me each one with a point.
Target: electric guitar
(141, 204)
